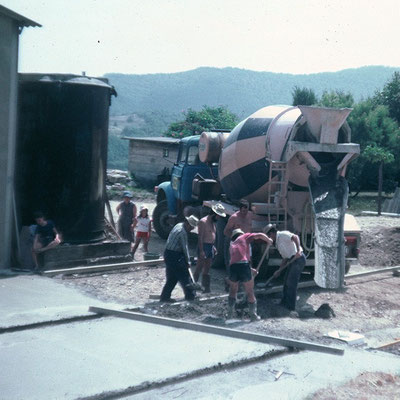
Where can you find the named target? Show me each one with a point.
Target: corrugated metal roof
(158, 139)
(22, 21)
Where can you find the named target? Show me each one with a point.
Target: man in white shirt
(293, 260)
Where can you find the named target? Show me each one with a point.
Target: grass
(365, 201)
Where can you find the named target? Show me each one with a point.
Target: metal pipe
(98, 268)
(372, 272)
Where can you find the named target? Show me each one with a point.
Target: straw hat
(192, 220)
(219, 209)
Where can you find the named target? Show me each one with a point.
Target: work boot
(196, 276)
(231, 307)
(253, 312)
(205, 282)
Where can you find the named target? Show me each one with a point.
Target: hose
(308, 241)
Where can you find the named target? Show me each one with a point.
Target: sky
(164, 36)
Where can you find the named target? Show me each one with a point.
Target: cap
(127, 194)
(267, 228)
(237, 231)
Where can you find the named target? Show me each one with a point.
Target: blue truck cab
(174, 196)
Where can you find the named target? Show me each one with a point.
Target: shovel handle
(263, 257)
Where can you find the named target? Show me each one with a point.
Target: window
(182, 154)
(193, 155)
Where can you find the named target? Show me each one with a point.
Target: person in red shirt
(240, 271)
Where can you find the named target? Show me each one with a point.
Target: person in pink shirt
(240, 271)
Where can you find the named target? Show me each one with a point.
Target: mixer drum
(243, 169)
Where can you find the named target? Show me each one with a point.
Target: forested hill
(242, 91)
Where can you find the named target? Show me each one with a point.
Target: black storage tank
(62, 152)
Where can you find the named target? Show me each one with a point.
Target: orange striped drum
(243, 169)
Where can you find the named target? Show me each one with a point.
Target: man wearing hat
(293, 260)
(127, 217)
(206, 249)
(177, 260)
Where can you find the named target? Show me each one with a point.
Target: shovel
(267, 282)
(266, 251)
(194, 285)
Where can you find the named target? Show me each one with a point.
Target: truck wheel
(161, 221)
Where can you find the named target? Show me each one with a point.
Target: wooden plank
(110, 215)
(383, 346)
(100, 268)
(384, 214)
(233, 333)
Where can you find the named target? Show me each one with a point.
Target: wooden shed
(151, 158)
(11, 26)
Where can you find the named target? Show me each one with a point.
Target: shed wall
(147, 160)
(8, 111)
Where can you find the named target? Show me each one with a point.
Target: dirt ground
(367, 305)
(367, 386)
(380, 241)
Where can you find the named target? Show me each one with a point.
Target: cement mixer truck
(290, 164)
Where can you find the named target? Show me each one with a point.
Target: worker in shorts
(293, 260)
(241, 219)
(46, 236)
(177, 260)
(143, 230)
(240, 270)
(206, 240)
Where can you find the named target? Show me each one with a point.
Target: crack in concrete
(45, 324)
(146, 386)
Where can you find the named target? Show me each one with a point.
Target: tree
(303, 96)
(379, 155)
(390, 96)
(196, 122)
(336, 99)
(379, 137)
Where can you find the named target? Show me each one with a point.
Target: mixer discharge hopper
(327, 160)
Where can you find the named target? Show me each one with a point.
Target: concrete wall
(147, 160)
(8, 111)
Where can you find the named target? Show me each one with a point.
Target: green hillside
(242, 91)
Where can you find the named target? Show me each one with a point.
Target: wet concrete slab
(87, 358)
(302, 375)
(32, 299)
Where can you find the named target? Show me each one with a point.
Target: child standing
(143, 229)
